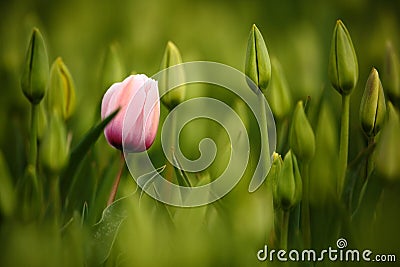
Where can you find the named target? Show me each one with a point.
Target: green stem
(305, 206)
(32, 159)
(284, 229)
(344, 143)
(114, 189)
(264, 154)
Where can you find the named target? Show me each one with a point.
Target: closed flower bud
(113, 69)
(343, 65)
(36, 69)
(279, 96)
(289, 184)
(258, 65)
(54, 149)
(373, 107)
(302, 139)
(388, 147)
(391, 75)
(61, 95)
(140, 94)
(171, 58)
(273, 175)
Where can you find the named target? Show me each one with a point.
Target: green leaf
(68, 178)
(105, 231)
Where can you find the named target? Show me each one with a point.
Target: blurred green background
(297, 32)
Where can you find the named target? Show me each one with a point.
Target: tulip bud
(54, 149)
(279, 96)
(176, 96)
(343, 65)
(273, 175)
(373, 107)
(388, 147)
(289, 184)
(112, 70)
(391, 75)
(61, 95)
(36, 70)
(140, 94)
(302, 139)
(258, 65)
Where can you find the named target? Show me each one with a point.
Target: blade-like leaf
(68, 178)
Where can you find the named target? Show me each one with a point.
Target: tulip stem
(305, 206)
(344, 143)
(114, 189)
(284, 229)
(264, 153)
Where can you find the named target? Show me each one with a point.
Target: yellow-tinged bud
(343, 65)
(54, 149)
(61, 95)
(302, 139)
(36, 69)
(176, 96)
(258, 65)
(373, 106)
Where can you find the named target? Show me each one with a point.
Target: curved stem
(114, 189)
(344, 143)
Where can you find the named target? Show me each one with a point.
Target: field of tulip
(209, 133)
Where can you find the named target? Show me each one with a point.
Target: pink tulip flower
(135, 126)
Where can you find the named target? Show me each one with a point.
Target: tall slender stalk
(114, 189)
(305, 206)
(265, 157)
(284, 229)
(344, 143)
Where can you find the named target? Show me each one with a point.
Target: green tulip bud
(373, 106)
(302, 139)
(343, 65)
(289, 185)
(54, 150)
(176, 96)
(273, 176)
(391, 75)
(388, 147)
(36, 70)
(113, 69)
(279, 95)
(258, 65)
(61, 95)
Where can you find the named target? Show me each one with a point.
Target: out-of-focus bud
(391, 75)
(302, 139)
(172, 57)
(343, 65)
(258, 65)
(134, 128)
(36, 69)
(289, 184)
(61, 94)
(42, 121)
(388, 147)
(373, 106)
(273, 175)
(113, 69)
(279, 96)
(54, 149)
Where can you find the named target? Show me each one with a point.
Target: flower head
(135, 126)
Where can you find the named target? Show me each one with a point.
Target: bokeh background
(298, 33)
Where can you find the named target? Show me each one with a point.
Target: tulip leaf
(105, 231)
(68, 178)
(181, 175)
